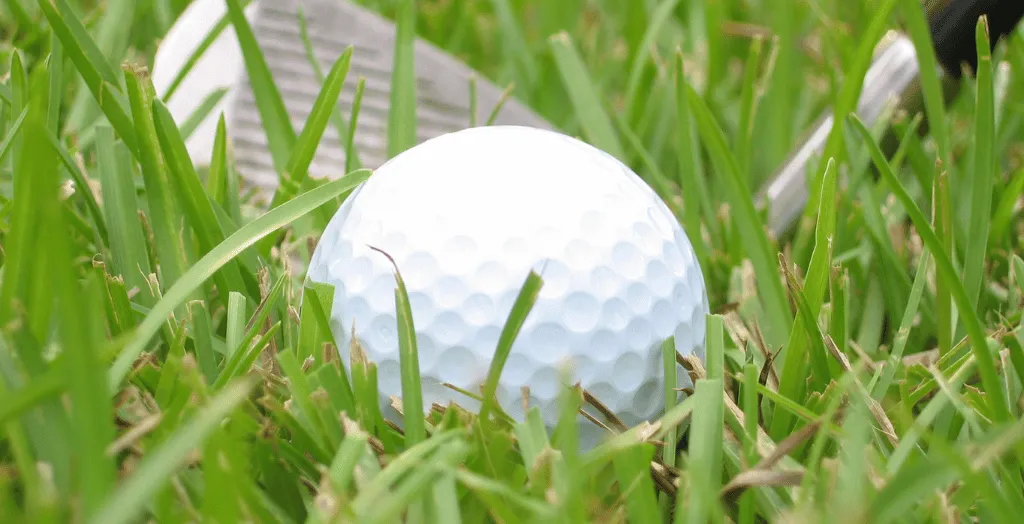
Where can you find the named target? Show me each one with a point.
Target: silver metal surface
(442, 82)
(442, 87)
(893, 74)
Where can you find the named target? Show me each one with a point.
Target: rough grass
(162, 359)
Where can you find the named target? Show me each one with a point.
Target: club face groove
(442, 83)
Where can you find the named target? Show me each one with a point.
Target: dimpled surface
(466, 216)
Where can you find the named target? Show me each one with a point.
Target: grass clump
(161, 358)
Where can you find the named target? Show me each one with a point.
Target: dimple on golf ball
(465, 217)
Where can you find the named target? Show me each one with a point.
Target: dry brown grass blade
(876, 409)
(756, 478)
(608, 414)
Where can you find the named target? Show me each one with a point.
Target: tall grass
(161, 359)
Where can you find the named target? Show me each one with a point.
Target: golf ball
(466, 217)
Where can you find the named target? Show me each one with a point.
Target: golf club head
(894, 77)
(442, 82)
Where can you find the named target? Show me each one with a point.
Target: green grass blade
(221, 255)
(778, 320)
(853, 83)
(521, 308)
(402, 117)
(163, 214)
(313, 131)
(127, 243)
(12, 134)
(191, 194)
(586, 100)
(100, 77)
(931, 86)
(975, 331)
(277, 124)
(815, 286)
(345, 134)
(412, 391)
(706, 453)
(983, 177)
(134, 494)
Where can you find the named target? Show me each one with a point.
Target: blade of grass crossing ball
(412, 392)
(245, 237)
(815, 286)
(90, 62)
(931, 87)
(669, 368)
(274, 117)
(566, 474)
(715, 361)
(705, 466)
(126, 237)
(975, 331)
(345, 134)
(156, 468)
(521, 308)
(778, 322)
(194, 199)
(402, 109)
(163, 215)
(597, 125)
(982, 181)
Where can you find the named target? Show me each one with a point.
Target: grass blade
(983, 178)
(402, 109)
(778, 320)
(277, 124)
(221, 255)
(131, 498)
(979, 344)
(597, 125)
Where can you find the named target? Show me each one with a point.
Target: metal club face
(893, 77)
(442, 82)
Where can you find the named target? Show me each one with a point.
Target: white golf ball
(466, 217)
